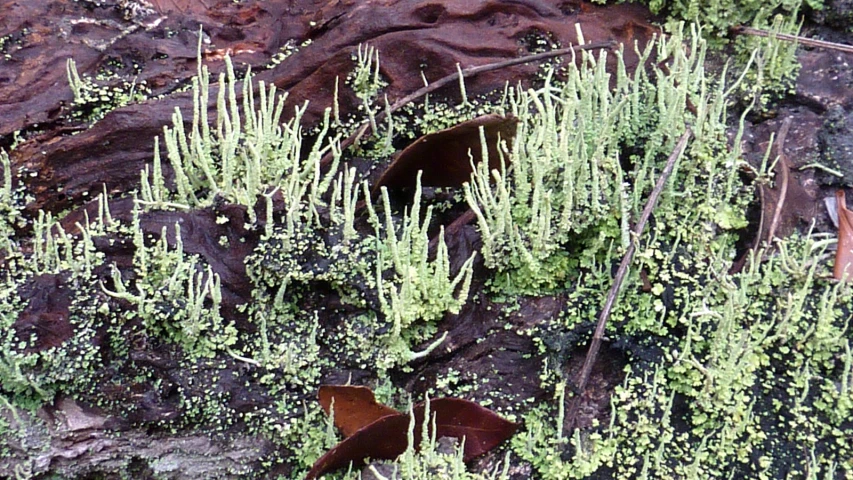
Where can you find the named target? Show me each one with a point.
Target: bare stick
(466, 73)
(793, 38)
(595, 345)
(785, 168)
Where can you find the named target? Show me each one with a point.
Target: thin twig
(762, 197)
(793, 38)
(784, 165)
(613, 294)
(785, 168)
(466, 73)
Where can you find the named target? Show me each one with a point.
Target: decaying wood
(415, 42)
(79, 442)
(65, 161)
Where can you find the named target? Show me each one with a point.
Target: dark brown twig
(613, 294)
(784, 168)
(740, 29)
(466, 73)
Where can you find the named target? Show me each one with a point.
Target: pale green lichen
(10, 207)
(248, 153)
(249, 156)
(776, 65)
(94, 99)
(35, 377)
(735, 402)
(721, 15)
(412, 290)
(420, 290)
(365, 79)
(171, 295)
(562, 183)
(720, 339)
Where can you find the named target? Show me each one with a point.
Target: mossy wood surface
(187, 252)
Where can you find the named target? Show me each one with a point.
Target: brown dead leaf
(443, 156)
(384, 439)
(355, 407)
(387, 437)
(482, 428)
(844, 254)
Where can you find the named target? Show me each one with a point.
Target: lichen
(95, 97)
(720, 15)
(562, 202)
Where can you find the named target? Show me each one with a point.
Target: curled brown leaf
(386, 437)
(355, 407)
(844, 255)
(443, 156)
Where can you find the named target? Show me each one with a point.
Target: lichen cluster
(720, 15)
(314, 233)
(563, 199)
(730, 375)
(94, 97)
(749, 377)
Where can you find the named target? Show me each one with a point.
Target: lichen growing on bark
(727, 372)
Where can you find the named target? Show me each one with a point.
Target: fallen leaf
(482, 428)
(355, 407)
(844, 254)
(386, 438)
(443, 156)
